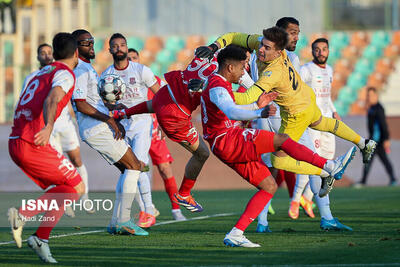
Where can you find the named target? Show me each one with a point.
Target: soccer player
(296, 99)
(38, 108)
(138, 79)
(102, 133)
(63, 137)
(159, 153)
(241, 148)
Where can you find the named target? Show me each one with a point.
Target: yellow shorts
(294, 125)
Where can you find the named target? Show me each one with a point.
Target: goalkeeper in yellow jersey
(296, 99)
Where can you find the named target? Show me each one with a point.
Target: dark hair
(320, 40)
(231, 52)
(116, 36)
(64, 45)
(133, 50)
(373, 89)
(41, 46)
(78, 33)
(276, 35)
(285, 21)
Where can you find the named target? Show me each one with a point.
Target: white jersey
(320, 80)
(86, 90)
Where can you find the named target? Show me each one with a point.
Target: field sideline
(373, 213)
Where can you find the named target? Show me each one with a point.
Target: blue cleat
(111, 229)
(188, 202)
(342, 162)
(333, 224)
(129, 228)
(263, 228)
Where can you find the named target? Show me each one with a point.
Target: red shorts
(239, 149)
(174, 122)
(43, 164)
(159, 152)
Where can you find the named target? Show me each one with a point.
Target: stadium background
(364, 51)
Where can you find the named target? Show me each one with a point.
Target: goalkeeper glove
(119, 114)
(195, 85)
(206, 51)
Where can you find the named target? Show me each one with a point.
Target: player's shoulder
(82, 68)
(216, 80)
(329, 68)
(307, 66)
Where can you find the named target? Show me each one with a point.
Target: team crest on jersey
(45, 70)
(267, 73)
(132, 80)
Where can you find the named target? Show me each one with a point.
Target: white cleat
(156, 211)
(239, 241)
(88, 209)
(69, 212)
(17, 224)
(368, 150)
(41, 248)
(177, 215)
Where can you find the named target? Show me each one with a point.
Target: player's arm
(335, 115)
(305, 74)
(150, 80)
(221, 98)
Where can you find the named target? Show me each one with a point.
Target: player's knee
(202, 153)
(279, 139)
(269, 185)
(165, 170)
(76, 161)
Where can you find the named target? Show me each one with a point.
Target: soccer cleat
(239, 241)
(271, 210)
(69, 212)
(368, 150)
(111, 229)
(342, 162)
(177, 215)
(263, 228)
(131, 228)
(294, 210)
(326, 186)
(307, 206)
(156, 211)
(17, 224)
(146, 220)
(333, 224)
(41, 248)
(188, 202)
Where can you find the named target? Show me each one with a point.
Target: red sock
(138, 109)
(290, 179)
(186, 186)
(253, 208)
(59, 193)
(302, 153)
(280, 177)
(171, 189)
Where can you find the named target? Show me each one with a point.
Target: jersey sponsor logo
(132, 80)
(26, 112)
(267, 73)
(46, 70)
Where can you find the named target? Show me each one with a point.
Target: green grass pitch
(373, 213)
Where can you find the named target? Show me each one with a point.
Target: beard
(119, 57)
(320, 61)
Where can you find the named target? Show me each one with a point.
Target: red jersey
(150, 95)
(28, 117)
(178, 81)
(215, 122)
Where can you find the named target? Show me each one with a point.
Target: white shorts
(324, 143)
(139, 135)
(64, 137)
(110, 149)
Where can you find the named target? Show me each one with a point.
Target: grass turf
(373, 213)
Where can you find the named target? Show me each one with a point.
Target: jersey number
(292, 78)
(29, 92)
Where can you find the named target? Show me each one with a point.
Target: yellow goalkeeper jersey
(277, 75)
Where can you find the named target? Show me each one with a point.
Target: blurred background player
(106, 136)
(159, 153)
(138, 80)
(38, 108)
(378, 131)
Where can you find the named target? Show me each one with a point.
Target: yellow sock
(338, 128)
(290, 164)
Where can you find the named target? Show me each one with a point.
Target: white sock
(117, 203)
(139, 201)
(301, 182)
(145, 192)
(361, 143)
(84, 175)
(236, 231)
(129, 188)
(322, 203)
(263, 216)
(329, 165)
(307, 193)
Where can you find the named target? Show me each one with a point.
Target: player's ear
(76, 54)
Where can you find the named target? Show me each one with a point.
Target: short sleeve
(148, 77)
(80, 91)
(64, 79)
(305, 74)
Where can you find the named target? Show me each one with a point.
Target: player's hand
(266, 98)
(119, 114)
(206, 51)
(42, 137)
(386, 146)
(144, 167)
(195, 85)
(116, 128)
(121, 129)
(336, 116)
(269, 110)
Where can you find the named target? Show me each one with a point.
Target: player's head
(291, 26)
(320, 50)
(44, 54)
(372, 96)
(85, 42)
(133, 55)
(274, 41)
(65, 48)
(231, 63)
(118, 47)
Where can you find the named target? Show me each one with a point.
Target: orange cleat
(188, 202)
(307, 206)
(146, 220)
(294, 210)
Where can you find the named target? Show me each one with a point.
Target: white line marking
(160, 223)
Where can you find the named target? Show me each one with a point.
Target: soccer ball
(111, 88)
